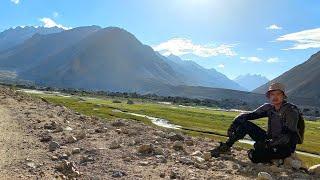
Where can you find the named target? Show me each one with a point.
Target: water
(33, 91)
(157, 121)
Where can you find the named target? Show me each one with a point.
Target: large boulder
(68, 168)
(81, 135)
(146, 149)
(114, 145)
(207, 156)
(314, 169)
(71, 139)
(178, 146)
(53, 145)
(293, 162)
(175, 137)
(264, 176)
(118, 123)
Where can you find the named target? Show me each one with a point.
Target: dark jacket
(287, 117)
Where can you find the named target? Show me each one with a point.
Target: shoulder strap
(283, 115)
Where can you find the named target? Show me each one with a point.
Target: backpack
(300, 124)
(301, 128)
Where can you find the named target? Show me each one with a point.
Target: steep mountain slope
(14, 36)
(195, 75)
(40, 47)
(302, 80)
(109, 59)
(251, 81)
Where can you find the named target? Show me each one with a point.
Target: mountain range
(39, 47)
(109, 59)
(195, 75)
(251, 81)
(14, 36)
(102, 59)
(112, 59)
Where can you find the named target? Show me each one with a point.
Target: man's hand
(263, 145)
(268, 143)
(283, 140)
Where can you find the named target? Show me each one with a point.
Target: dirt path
(11, 138)
(20, 150)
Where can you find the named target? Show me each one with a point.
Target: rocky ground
(39, 140)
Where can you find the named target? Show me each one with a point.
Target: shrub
(116, 101)
(130, 101)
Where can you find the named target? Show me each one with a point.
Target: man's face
(276, 97)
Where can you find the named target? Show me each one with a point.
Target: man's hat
(276, 86)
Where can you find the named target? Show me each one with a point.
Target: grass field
(205, 119)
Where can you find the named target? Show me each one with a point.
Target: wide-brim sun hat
(276, 86)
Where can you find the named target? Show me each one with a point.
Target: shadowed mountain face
(105, 59)
(40, 47)
(302, 80)
(251, 81)
(195, 75)
(109, 59)
(14, 36)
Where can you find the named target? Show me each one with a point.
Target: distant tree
(306, 110)
(116, 101)
(130, 101)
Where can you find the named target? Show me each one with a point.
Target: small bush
(130, 101)
(116, 101)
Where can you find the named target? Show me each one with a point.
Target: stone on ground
(264, 176)
(315, 169)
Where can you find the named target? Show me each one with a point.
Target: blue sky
(235, 37)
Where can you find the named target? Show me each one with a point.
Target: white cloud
(181, 46)
(15, 1)
(303, 39)
(273, 60)
(273, 27)
(254, 59)
(251, 58)
(221, 66)
(47, 22)
(258, 60)
(55, 14)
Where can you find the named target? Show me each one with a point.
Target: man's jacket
(282, 123)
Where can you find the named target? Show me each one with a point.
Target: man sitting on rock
(285, 128)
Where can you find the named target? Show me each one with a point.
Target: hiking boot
(223, 148)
